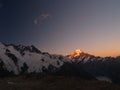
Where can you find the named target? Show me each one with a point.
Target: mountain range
(20, 59)
(100, 67)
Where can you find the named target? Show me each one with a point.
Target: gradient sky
(60, 26)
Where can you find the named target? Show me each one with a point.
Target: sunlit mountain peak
(75, 53)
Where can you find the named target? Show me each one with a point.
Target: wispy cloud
(41, 18)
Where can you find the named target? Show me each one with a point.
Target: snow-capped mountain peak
(79, 55)
(75, 53)
(78, 51)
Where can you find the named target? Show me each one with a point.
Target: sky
(61, 26)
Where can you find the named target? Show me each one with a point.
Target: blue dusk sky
(61, 26)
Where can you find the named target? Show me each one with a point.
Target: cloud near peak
(41, 18)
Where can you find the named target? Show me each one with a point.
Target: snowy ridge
(18, 58)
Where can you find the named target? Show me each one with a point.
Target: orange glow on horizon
(106, 53)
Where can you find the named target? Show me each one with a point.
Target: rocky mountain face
(98, 66)
(27, 59)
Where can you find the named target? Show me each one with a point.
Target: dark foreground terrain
(51, 82)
